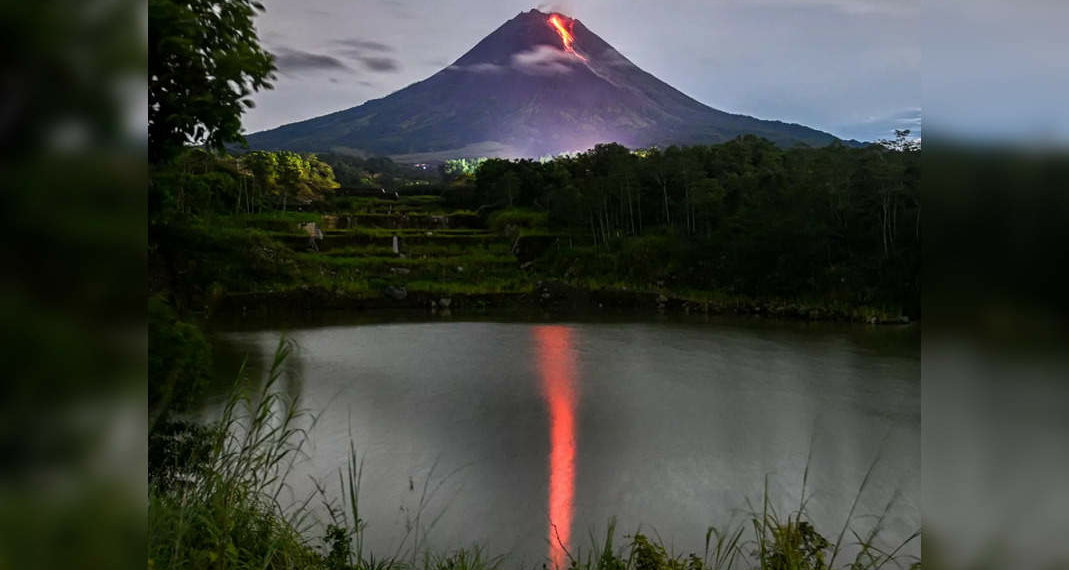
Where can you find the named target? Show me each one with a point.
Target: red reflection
(556, 364)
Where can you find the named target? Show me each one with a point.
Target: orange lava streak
(565, 33)
(557, 367)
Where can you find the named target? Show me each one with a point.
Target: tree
(204, 61)
(902, 142)
(292, 172)
(320, 178)
(264, 168)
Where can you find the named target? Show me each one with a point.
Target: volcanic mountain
(539, 84)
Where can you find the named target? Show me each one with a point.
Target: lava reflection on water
(556, 364)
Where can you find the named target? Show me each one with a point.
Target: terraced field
(373, 247)
(412, 251)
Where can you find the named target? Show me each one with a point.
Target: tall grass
(764, 541)
(222, 509)
(219, 504)
(219, 501)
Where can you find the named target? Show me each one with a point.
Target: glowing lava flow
(565, 33)
(557, 367)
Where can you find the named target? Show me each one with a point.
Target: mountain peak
(541, 83)
(525, 32)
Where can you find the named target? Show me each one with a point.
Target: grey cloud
(364, 45)
(293, 61)
(358, 49)
(379, 63)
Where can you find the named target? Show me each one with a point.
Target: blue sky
(849, 67)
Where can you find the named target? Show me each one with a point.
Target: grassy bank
(214, 502)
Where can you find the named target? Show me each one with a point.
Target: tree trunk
(639, 207)
(883, 223)
(918, 230)
(667, 213)
(630, 212)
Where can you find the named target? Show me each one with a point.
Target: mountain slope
(529, 88)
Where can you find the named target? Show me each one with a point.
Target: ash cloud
(293, 61)
(557, 6)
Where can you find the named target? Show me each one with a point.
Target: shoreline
(552, 297)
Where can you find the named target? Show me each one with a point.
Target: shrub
(179, 359)
(518, 218)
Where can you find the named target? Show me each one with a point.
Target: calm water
(525, 431)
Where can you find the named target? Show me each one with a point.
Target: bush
(194, 257)
(518, 218)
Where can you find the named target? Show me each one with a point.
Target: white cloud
(479, 68)
(543, 60)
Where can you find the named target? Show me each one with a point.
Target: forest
(745, 215)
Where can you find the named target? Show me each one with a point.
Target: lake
(512, 432)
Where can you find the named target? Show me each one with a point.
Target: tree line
(746, 215)
(198, 181)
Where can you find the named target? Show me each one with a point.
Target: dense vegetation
(197, 182)
(834, 228)
(745, 216)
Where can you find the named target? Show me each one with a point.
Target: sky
(848, 67)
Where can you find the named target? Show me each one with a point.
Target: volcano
(539, 84)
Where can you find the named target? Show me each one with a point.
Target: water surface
(525, 436)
